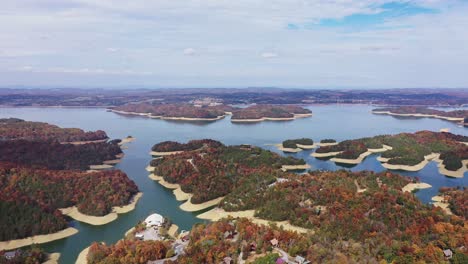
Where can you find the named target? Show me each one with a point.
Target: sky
(234, 43)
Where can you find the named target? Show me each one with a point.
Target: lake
(339, 122)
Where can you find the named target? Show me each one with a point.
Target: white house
(154, 220)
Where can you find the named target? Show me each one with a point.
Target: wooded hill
(423, 110)
(408, 148)
(215, 169)
(30, 198)
(14, 128)
(271, 111)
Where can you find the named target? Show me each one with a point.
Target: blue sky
(225, 43)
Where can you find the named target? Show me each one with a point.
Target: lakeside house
(154, 220)
(448, 253)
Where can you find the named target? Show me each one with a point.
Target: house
(301, 260)
(274, 242)
(11, 254)
(139, 236)
(448, 253)
(253, 246)
(227, 260)
(154, 220)
(229, 235)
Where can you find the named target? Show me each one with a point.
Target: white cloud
(269, 55)
(189, 51)
(150, 37)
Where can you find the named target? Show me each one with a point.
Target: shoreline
(416, 167)
(101, 220)
(52, 258)
(188, 206)
(384, 162)
(218, 213)
(327, 144)
(299, 148)
(440, 201)
(85, 142)
(250, 120)
(149, 115)
(410, 187)
(325, 154)
(180, 195)
(37, 239)
(295, 167)
(82, 257)
(460, 173)
(452, 119)
(362, 156)
(157, 153)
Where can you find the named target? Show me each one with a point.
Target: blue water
(339, 122)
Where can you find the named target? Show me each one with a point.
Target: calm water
(335, 121)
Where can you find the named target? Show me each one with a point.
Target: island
(296, 145)
(258, 113)
(454, 116)
(405, 151)
(43, 182)
(202, 165)
(182, 112)
(15, 128)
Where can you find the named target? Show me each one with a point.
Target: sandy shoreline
(287, 150)
(156, 153)
(85, 142)
(181, 195)
(188, 206)
(294, 150)
(82, 257)
(171, 117)
(296, 116)
(455, 174)
(416, 167)
(456, 119)
(413, 186)
(39, 239)
(100, 167)
(362, 156)
(173, 230)
(442, 203)
(101, 220)
(150, 168)
(384, 162)
(295, 167)
(218, 213)
(306, 146)
(325, 155)
(52, 258)
(326, 144)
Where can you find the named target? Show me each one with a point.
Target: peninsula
(258, 113)
(405, 151)
(33, 162)
(296, 145)
(304, 218)
(183, 112)
(454, 116)
(15, 128)
(203, 165)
